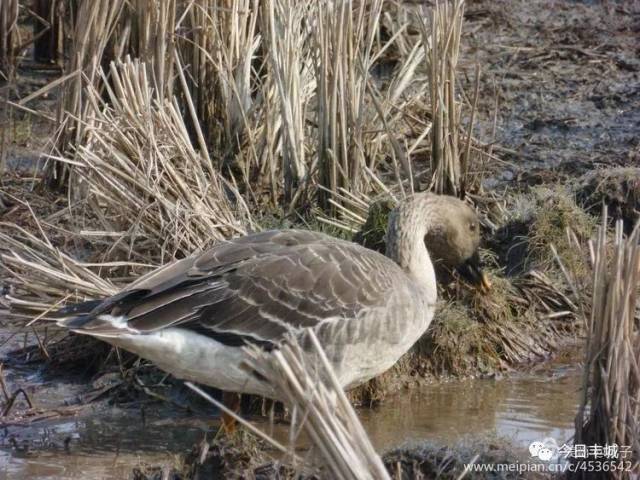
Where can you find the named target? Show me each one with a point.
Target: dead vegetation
(609, 410)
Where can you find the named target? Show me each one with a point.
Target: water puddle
(110, 442)
(520, 409)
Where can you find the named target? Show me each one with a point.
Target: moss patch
(555, 211)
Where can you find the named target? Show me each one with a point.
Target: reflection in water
(521, 409)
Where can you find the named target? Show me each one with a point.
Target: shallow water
(109, 443)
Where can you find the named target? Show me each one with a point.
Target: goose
(193, 317)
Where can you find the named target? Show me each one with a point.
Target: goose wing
(252, 289)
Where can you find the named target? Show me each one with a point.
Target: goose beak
(472, 272)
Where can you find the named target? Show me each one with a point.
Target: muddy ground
(563, 81)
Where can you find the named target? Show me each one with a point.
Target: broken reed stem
(611, 390)
(306, 382)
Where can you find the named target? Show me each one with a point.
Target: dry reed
(142, 178)
(94, 27)
(8, 38)
(609, 412)
(40, 277)
(442, 44)
(306, 382)
(284, 95)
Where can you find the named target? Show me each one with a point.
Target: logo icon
(544, 450)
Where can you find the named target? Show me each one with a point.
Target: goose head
(426, 228)
(454, 240)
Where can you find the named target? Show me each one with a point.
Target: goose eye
(473, 227)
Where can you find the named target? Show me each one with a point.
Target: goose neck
(408, 225)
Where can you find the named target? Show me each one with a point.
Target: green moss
(372, 233)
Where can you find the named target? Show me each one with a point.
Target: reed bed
(449, 157)
(609, 412)
(285, 95)
(306, 382)
(273, 105)
(142, 179)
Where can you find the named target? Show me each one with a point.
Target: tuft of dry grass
(609, 412)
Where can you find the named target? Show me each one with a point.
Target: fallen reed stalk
(306, 382)
(40, 277)
(609, 412)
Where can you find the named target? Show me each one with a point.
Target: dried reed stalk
(149, 32)
(48, 39)
(441, 40)
(40, 277)
(609, 412)
(8, 37)
(220, 40)
(306, 382)
(288, 38)
(94, 27)
(143, 179)
(345, 33)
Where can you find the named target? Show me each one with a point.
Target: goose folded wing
(255, 290)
